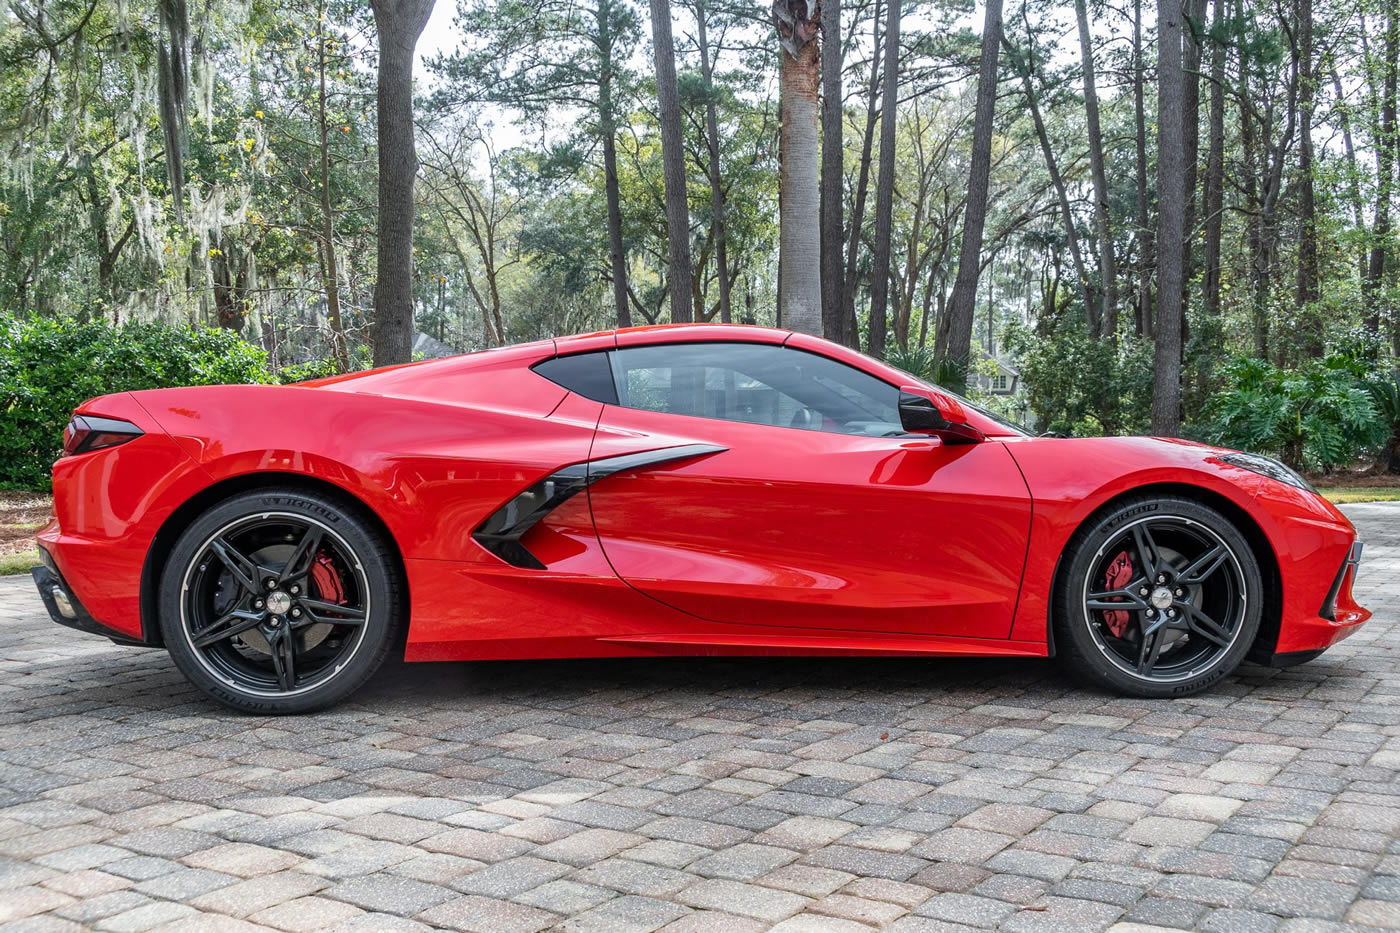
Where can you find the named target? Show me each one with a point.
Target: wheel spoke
(1150, 649)
(1147, 550)
(1198, 623)
(234, 623)
(284, 658)
(244, 571)
(334, 613)
(1126, 597)
(1200, 569)
(299, 564)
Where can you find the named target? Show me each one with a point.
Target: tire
(1190, 593)
(279, 601)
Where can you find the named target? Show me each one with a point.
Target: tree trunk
(1108, 263)
(399, 23)
(1171, 218)
(1358, 207)
(848, 292)
(800, 289)
(717, 205)
(832, 176)
(1308, 291)
(1215, 170)
(1057, 181)
(331, 274)
(884, 186)
(1195, 11)
(672, 164)
(1385, 172)
(958, 346)
(1144, 233)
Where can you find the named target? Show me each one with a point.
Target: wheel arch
(189, 510)
(1272, 609)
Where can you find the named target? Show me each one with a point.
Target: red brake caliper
(327, 580)
(1120, 571)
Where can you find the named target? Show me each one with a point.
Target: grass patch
(11, 564)
(1363, 494)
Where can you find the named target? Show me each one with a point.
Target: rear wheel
(1158, 597)
(279, 601)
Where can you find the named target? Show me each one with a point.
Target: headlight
(1267, 466)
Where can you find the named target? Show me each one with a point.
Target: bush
(48, 367)
(304, 372)
(1079, 385)
(921, 363)
(1319, 415)
(1385, 395)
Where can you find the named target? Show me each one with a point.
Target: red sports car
(683, 490)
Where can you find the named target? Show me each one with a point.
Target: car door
(808, 506)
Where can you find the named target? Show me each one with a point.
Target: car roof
(669, 333)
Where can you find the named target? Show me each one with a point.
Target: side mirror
(928, 411)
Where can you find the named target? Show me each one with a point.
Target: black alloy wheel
(279, 601)
(1158, 597)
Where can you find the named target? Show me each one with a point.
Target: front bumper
(1306, 635)
(65, 609)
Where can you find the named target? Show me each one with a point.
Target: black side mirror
(918, 413)
(926, 411)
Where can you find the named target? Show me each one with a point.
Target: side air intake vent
(501, 533)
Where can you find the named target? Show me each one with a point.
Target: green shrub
(921, 363)
(1385, 395)
(1319, 415)
(48, 367)
(304, 372)
(1082, 386)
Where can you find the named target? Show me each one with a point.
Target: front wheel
(1158, 597)
(279, 601)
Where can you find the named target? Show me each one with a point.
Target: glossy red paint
(785, 541)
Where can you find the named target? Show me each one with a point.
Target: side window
(757, 384)
(587, 374)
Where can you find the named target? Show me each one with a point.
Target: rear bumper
(65, 608)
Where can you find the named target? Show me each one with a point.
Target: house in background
(1005, 380)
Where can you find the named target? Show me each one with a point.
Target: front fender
(1071, 479)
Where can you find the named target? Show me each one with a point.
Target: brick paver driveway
(704, 795)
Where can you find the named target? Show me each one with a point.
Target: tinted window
(587, 374)
(755, 383)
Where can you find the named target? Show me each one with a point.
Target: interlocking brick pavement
(704, 795)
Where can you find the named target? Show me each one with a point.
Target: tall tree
(884, 185)
(1387, 141)
(872, 95)
(547, 57)
(1215, 165)
(173, 81)
(1192, 28)
(1108, 262)
(329, 259)
(672, 164)
(832, 176)
(719, 230)
(799, 225)
(1025, 67)
(1145, 260)
(399, 23)
(957, 345)
(1171, 220)
(1308, 290)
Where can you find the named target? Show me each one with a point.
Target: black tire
(303, 594)
(1190, 591)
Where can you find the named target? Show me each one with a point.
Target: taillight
(89, 432)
